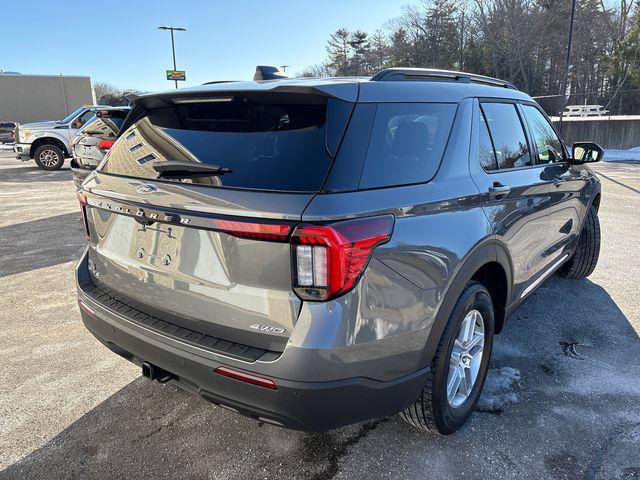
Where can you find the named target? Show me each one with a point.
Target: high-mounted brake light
(246, 377)
(329, 259)
(258, 231)
(105, 144)
(82, 198)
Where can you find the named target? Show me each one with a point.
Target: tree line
(523, 41)
(107, 94)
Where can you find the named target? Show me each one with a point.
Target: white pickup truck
(48, 143)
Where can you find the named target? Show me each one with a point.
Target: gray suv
(317, 252)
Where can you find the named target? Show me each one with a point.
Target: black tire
(431, 412)
(585, 258)
(49, 157)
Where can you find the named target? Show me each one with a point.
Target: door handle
(498, 189)
(557, 181)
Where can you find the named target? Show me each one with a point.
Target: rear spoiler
(346, 91)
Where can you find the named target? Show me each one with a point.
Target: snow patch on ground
(630, 155)
(504, 387)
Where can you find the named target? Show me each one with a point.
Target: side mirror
(586, 152)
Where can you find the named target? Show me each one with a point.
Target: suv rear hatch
(207, 248)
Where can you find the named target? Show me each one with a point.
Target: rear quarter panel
(392, 311)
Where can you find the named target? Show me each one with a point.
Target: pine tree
(359, 43)
(338, 50)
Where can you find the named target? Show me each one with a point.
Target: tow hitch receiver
(153, 372)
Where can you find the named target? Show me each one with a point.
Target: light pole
(173, 45)
(563, 100)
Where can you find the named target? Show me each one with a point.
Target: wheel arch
(489, 264)
(38, 142)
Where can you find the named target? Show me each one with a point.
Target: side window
(486, 153)
(547, 142)
(509, 140)
(85, 117)
(407, 142)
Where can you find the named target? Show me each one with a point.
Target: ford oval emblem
(146, 188)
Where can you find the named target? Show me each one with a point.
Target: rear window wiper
(184, 169)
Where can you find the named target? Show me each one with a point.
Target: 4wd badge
(267, 328)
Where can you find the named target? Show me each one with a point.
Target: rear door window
(406, 144)
(507, 132)
(269, 142)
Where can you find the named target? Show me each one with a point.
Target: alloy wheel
(466, 356)
(49, 158)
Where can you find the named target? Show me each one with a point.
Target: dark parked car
(91, 143)
(6, 131)
(317, 252)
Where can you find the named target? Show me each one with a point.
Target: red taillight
(329, 259)
(106, 144)
(82, 198)
(246, 377)
(264, 231)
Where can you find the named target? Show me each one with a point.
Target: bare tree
(107, 94)
(523, 41)
(317, 70)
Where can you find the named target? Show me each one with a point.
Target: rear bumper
(22, 151)
(79, 174)
(308, 406)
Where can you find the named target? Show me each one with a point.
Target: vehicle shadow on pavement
(553, 407)
(33, 174)
(41, 243)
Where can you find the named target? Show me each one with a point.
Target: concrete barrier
(616, 131)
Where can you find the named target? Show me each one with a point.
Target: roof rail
(404, 74)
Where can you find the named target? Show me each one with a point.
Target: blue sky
(117, 41)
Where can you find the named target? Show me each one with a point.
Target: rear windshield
(103, 125)
(277, 143)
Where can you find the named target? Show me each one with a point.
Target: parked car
(90, 144)
(6, 131)
(317, 252)
(48, 142)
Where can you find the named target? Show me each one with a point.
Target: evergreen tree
(338, 50)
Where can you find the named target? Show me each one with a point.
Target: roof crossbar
(418, 74)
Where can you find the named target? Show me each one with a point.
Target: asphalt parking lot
(562, 399)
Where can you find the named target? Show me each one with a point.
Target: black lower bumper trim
(113, 301)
